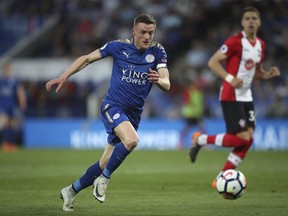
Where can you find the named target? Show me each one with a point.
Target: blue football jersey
(8, 93)
(129, 85)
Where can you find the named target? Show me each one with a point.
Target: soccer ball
(231, 184)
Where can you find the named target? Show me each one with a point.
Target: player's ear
(133, 31)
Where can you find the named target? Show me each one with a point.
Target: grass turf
(149, 183)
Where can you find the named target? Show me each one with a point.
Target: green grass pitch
(149, 183)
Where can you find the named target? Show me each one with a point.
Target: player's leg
(7, 132)
(235, 158)
(223, 140)
(129, 140)
(93, 171)
(184, 131)
(68, 193)
(233, 114)
(122, 133)
(238, 153)
(14, 125)
(241, 151)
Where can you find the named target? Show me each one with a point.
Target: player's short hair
(144, 18)
(250, 9)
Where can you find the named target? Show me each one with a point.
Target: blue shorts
(112, 115)
(9, 111)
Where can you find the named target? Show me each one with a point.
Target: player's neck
(251, 37)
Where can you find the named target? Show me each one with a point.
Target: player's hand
(237, 83)
(274, 71)
(153, 76)
(59, 82)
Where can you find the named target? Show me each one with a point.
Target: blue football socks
(118, 156)
(9, 135)
(88, 178)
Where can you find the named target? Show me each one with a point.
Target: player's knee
(131, 143)
(245, 135)
(247, 139)
(250, 142)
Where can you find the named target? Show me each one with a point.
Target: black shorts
(193, 121)
(238, 116)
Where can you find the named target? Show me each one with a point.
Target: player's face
(143, 35)
(250, 22)
(6, 70)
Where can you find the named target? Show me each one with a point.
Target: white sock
(202, 139)
(219, 139)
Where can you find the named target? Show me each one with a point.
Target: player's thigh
(4, 120)
(127, 133)
(250, 114)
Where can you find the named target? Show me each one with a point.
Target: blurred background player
(192, 110)
(243, 54)
(138, 63)
(12, 104)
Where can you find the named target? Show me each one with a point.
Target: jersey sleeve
(263, 45)
(161, 57)
(230, 46)
(108, 49)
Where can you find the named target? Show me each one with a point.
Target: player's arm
(160, 77)
(21, 97)
(261, 73)
(215, 64)
(79, 64)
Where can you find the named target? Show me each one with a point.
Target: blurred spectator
(277, 109)
(279, 103)
(197, 56)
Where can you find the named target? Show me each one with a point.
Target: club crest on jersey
(249, 64)
(149, 58)
(116, 116)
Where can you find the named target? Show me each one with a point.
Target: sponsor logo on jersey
(134, 77)
(150, 58)
(249, 64)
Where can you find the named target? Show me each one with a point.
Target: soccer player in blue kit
(138, 63)
(12, 104)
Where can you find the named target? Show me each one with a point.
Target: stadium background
(41, 38)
